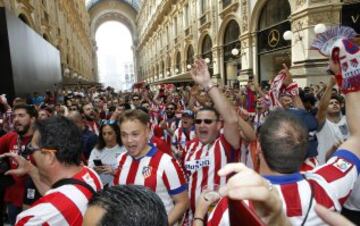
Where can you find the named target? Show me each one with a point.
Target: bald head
(283, 140)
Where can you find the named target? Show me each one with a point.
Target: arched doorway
(231, 56)
(189, 57)
(115, 55)
(178, 63)
(206, 53)
(272, 49)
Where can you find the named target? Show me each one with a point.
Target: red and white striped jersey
(64, 205)
(180, 138)
(309, 164)
(202, 162)
(156, 170)
(331, 185)
(219, 216)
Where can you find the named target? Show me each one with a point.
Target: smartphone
(97, 162)
(240, 214)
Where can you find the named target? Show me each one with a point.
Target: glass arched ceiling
(133, 3)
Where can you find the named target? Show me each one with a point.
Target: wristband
(209, 87)
(199, 219)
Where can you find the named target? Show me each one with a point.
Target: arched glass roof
(133, 3)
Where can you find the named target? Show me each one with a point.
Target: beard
(89, 117)
(23, 131)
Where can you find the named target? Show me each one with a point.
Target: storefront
(272, 49)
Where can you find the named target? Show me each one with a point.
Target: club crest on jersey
(146, 171)
(342, 165)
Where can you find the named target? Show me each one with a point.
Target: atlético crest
(342, 165)
(146, 171)
(354, 63)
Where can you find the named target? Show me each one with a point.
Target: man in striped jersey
(283, 142)
(210, 151)
(56, 151)
(143, 164)
(183, 134)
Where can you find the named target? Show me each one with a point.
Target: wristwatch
(209, 87)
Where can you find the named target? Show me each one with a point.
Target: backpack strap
(73, 181)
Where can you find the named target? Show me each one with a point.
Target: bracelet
(199, 219)
(209, 87)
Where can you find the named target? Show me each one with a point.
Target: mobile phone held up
(97, 162)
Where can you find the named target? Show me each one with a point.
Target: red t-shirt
(9, 143)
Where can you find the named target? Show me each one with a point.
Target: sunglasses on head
(107, 122)
(206, 121)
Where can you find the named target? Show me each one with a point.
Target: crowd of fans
(181, 154)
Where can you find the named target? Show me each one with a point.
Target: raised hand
(246, 184)
(200, 73)
(24, 166)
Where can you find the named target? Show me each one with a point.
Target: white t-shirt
(353, 202)
(330, 134)
(108, 156)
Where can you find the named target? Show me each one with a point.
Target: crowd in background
(183, 142)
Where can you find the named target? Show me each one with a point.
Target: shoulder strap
(310, 202)
(74, 181)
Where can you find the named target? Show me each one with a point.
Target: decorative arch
(206, 47)
(119, 11)
(256, 12)
(224, 25)
(201, 39)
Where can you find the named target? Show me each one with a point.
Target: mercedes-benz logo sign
(273, 38)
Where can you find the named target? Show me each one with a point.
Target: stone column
(308, 66)
(247, 64)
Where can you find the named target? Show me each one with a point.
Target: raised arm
(324, 102)
(201, 76)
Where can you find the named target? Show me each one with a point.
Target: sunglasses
(107, 122)
(29, 150)
(135, 99)
(170, 109)
(206, 121)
